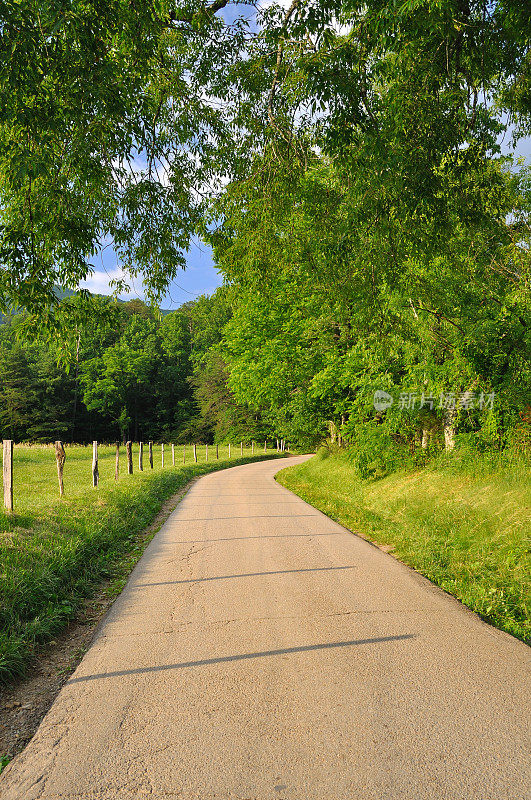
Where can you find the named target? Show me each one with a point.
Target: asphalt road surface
(262, 652)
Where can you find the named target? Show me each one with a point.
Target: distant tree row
(122, 372)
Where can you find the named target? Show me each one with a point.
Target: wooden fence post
(206, 452)
(151, 455)
(95, 473)
(173, 455)
(8, 475)
(117, 462)
(129, 454)
(141, 456)
(217, 451)
(60, 457)
(162, 455)
(195, 453)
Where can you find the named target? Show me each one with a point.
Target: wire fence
(29, 465)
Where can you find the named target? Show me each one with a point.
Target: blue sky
(199, 277)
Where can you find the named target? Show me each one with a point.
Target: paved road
(262, 652)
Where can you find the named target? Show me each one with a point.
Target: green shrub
(374, 453)
(322, 453)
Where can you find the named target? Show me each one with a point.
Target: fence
(93, 473)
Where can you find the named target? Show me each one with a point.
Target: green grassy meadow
(465, 528)
(55, 552)
(36, 486)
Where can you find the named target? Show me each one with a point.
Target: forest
(127, 372)
(355, 169)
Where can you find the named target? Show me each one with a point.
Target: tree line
(125, 372)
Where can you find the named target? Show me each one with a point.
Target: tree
(331, 306)
(217, 414)
(119, 123)
(175, 400)
(119, 381)
(103, 122)
(16, 390)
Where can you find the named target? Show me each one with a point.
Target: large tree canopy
(121, 120)
(105, 137)
(344, 160)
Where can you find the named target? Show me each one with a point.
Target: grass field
(466, 529)
(55, 552)
(35, 482)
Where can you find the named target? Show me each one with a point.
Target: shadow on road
(243, 657)
(242, 575)
(251, 516)
(266, 536)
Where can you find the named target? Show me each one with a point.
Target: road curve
(262, 652)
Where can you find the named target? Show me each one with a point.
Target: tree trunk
(60, 457)
(129, 453)
(450, 415)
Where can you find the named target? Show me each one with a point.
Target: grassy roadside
(464, 529)
(55, 555)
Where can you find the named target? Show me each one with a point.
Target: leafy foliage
(343, 159)
(105, 128)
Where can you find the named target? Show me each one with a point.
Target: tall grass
(53, 552)
(463, 523)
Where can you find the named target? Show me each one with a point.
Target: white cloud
(285, 4)
(100, 282)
